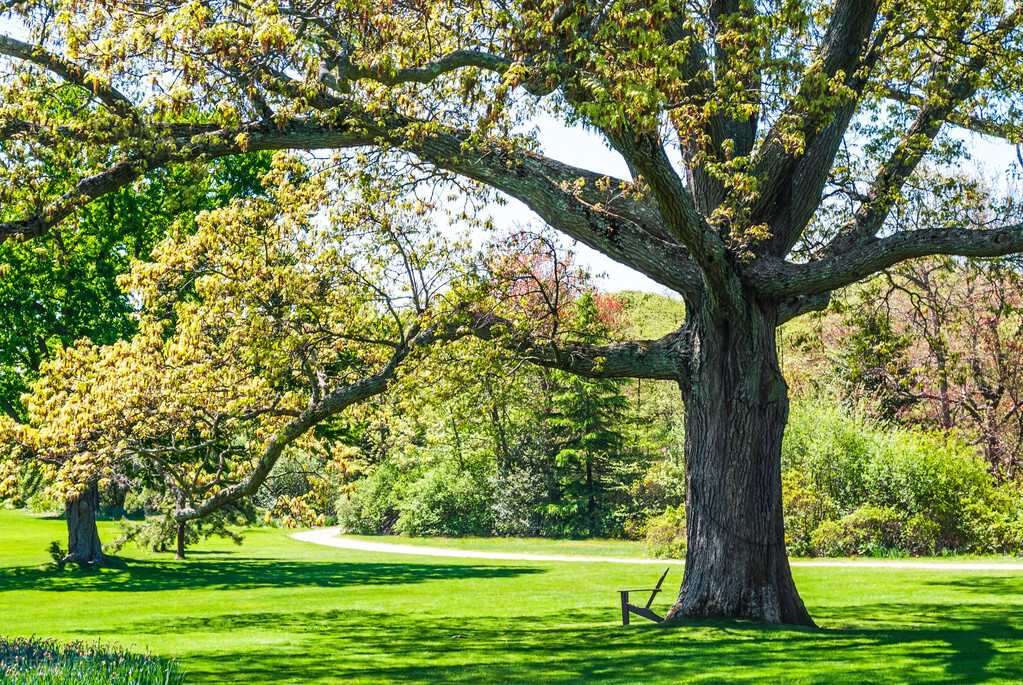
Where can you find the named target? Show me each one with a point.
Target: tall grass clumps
(30, 661)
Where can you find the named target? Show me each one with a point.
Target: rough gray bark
(736, 410)
(83, 545)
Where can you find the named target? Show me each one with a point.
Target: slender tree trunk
(736, 403)
(83, 545)
(181, 541)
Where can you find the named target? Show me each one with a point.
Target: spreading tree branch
(659, 359)
(917, 141)
(545, 185)
(780, 279)
(69, 71)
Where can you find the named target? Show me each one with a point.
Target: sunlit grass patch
(276, 610)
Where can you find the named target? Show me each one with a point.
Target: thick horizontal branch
(205, 145)
(794, 307)
(662, 359)
(779, 279)
(543, 184)
(426, 73)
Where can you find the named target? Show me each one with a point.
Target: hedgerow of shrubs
(442, 498)
(855, 486)
(30, 661)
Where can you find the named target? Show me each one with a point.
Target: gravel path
(331, 538)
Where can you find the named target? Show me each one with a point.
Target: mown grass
(588, 548)
(631, 549)
(280, 611)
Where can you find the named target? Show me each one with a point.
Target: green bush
(520, 497)
(806, 507)
(937, 478)
(666, 534)
(869, 531)
(446, 499)
(856, 486)
(372, 509)
(829, 445)
(46, 662)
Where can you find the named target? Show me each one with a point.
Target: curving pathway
(331, 537)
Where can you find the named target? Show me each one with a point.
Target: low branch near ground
(317, 412)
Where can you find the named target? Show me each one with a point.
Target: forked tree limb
(779, 279)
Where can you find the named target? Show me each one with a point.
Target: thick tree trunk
(736, 405)
(181, 541)
(83, 545)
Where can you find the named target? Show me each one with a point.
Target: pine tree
(586, 418)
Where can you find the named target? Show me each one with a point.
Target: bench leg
(625, 607)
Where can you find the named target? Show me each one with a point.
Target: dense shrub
(855, 486)
(666, 534)
(372, 508)
(446, 500)
(868, 531)
(439, 498)
(46, 662)
(521, 495)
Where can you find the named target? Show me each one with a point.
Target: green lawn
(279, 611)
(586, 548)
(630, 549)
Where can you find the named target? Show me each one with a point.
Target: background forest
(906, 434)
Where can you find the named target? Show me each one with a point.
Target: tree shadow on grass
(365, 646)
(143, 575)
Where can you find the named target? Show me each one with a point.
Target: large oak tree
(768, 143)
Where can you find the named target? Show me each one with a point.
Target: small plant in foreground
(58, 553)
(31, 661)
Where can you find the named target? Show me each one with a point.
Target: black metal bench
(643, 611)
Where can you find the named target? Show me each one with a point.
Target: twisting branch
(460, 59)
(69, 71)
(661, 359)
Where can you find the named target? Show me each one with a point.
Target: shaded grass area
(280, 611)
